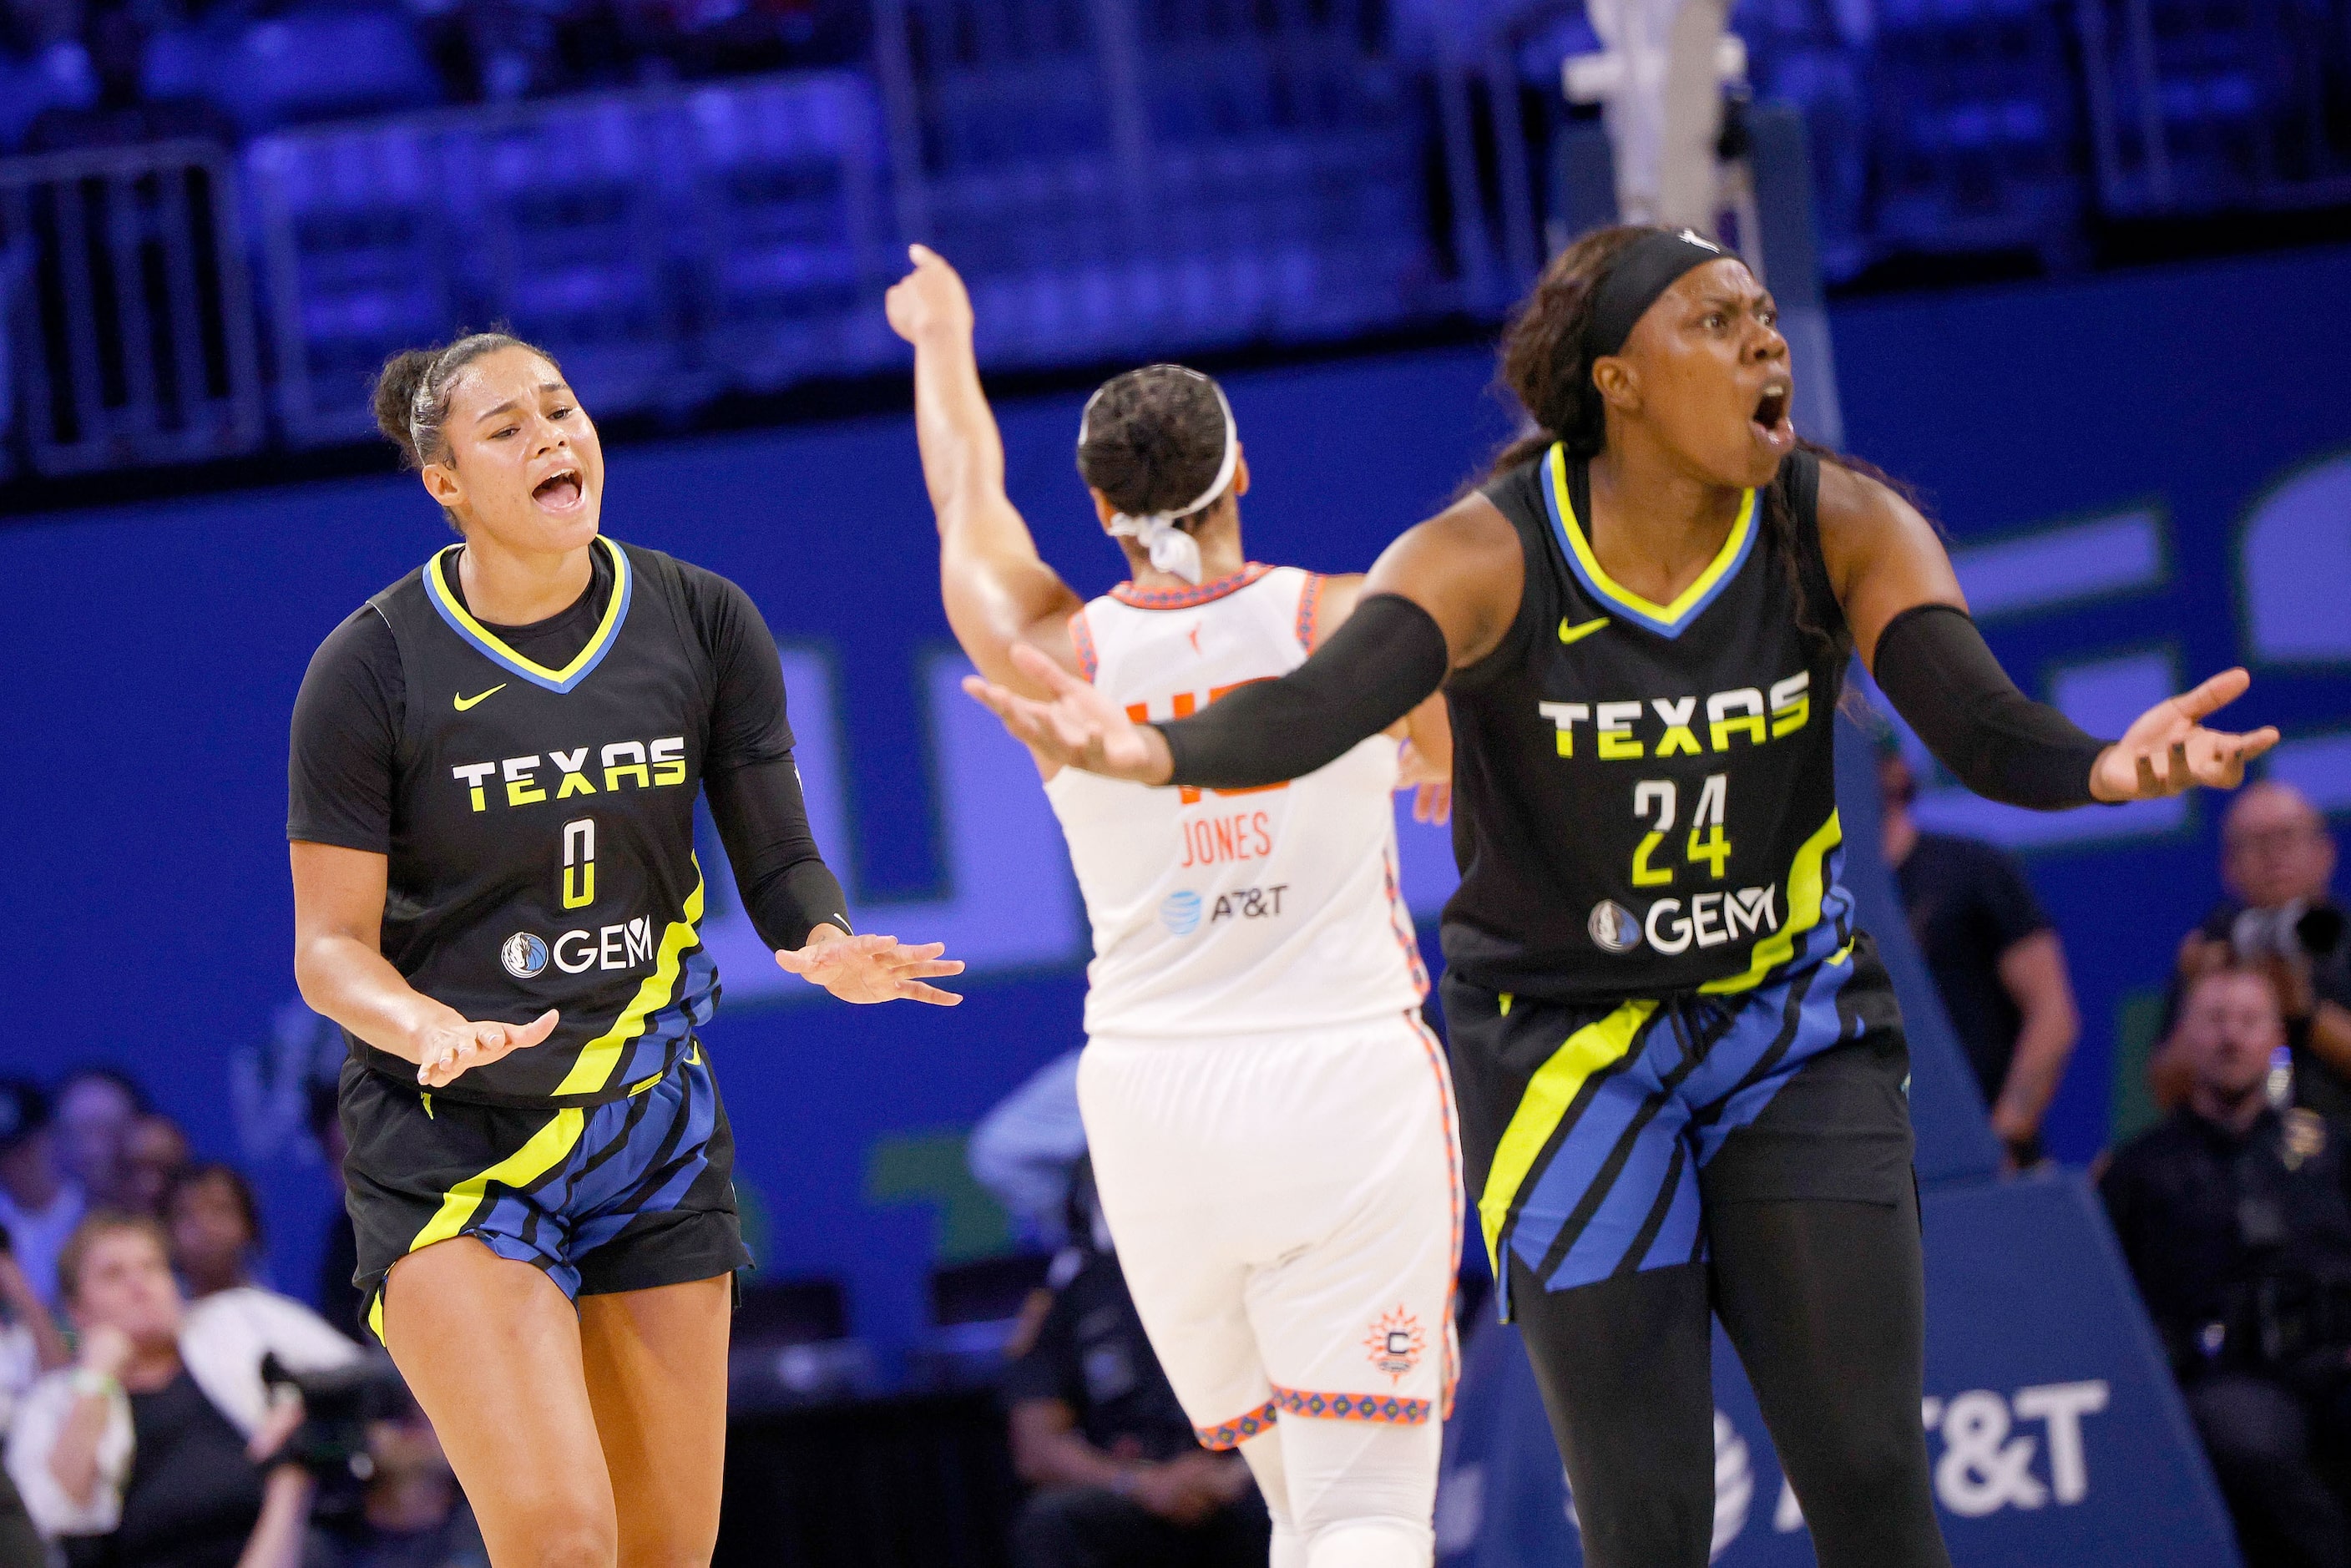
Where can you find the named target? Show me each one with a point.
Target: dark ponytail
(412, 392)
(1542, 351)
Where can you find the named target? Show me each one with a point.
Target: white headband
(1171, 548)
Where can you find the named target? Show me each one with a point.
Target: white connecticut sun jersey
(1221, 911)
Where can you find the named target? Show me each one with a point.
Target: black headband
(1646, 268)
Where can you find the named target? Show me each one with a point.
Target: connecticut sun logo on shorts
(523, 954)
(1395, 1343)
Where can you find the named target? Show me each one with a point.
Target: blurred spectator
(1997, 962)
(411, 1514)
(38, 1206)
(30, 1344)
(1025, 1148)
(214, 1227)
(339, 1298)
(2277, 862)
(153, 1449)
(1121, 1477)
(2236, 1220)
(124, 116)
(154, 1154)
(96, 1107)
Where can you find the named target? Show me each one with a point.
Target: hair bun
(396, 387)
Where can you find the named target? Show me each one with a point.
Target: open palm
(866, 969)
(1077, 727)
(2168, 749)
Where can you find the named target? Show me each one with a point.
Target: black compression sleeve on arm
(763, 820)
(1377, 667)
(1933, 666)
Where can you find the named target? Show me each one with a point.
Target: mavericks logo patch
(1612, 927)
(523, 954)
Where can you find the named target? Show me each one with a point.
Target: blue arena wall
(2147, 476)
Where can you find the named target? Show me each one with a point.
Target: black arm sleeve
(763, 820)
(1377, 667)
(1933, 666)
(752, 783)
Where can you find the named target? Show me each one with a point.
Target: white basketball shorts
(1287, 1209)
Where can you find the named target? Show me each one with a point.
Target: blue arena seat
(357, 249)
(790, 249)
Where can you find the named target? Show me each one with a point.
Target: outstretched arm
(1426, 761)
(998, 590)
(1910, 623)
(1440, 598)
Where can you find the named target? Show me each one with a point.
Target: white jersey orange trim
(1216, 911)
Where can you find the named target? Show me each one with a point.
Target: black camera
(2291, 931)
(337, 1406)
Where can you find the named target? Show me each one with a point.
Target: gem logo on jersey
(1395, 1343)
(1612, 927)
(1180, 913)
(524, 954)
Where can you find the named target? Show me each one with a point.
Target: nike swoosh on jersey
(1568, 633)
(464, 702)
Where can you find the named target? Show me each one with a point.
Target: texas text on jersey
(542, 850)
(1645, 794)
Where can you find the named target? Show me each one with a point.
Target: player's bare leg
(492, 1350)
(656, 1374)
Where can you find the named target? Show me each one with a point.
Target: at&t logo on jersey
(1180, 913)
(623, 946)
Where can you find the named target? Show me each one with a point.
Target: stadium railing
(663, 243)
(122, 273)
(2203, 106)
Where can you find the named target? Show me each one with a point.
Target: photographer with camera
(2277, 861)
(160, 1448)
(2235, 1216)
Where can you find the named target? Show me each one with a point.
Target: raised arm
(1440, 598)
(998, 590)
(1911, 625)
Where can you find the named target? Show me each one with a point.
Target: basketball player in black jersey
(495, 763)
(1682, 1075)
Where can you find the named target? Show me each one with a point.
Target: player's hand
(1079, 727)
(448, 1050)
(872, 968)
(2167, 748)
(929, 304)
(1432, 798)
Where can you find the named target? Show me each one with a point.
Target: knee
(578, 1542)
(1880, 1460)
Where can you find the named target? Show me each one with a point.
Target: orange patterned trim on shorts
(1383, 1408)
(1232, 1433)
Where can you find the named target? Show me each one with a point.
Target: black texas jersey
(542, 834)
(1644, 795)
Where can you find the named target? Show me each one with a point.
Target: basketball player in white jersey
(1270, 1124)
